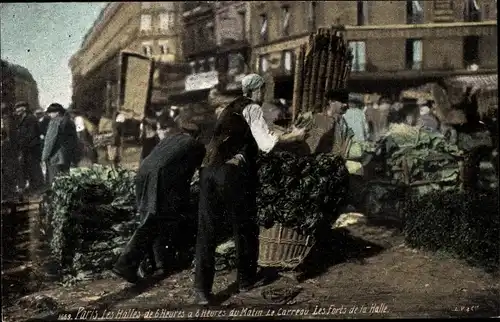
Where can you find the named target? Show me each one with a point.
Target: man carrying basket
(228, 183)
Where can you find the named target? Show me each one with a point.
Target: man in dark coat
(10, 158)
(61, 143)
(29, 147)
(162, 192)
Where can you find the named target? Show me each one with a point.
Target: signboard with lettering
(202, 81)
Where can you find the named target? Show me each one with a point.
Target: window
(243, 19)
(233, 64)
(311, 15)
(145, 22)
(472, 11)
(263, 63)
(414, 12)
(211, 64)
(164, 48)
(164, 21)
(171, 20)
(210, 31)
(285, 21)
(362, 12)
(201, 65)
(288, 60)
(263, 27)
(193, 67)
(358, 50)
(147, 49)
(413, 54)
(471, 50)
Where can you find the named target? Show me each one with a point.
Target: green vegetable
(300, 192)
(91, 216)
(466, 224)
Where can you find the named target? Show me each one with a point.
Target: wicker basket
(283, 247)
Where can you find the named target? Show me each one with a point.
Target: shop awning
(188, 97)
(482, 82)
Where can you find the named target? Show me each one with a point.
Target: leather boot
(125, 272)
(202, 297)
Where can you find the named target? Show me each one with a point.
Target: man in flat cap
(29, 148)
(162, 194)
(60, 143)
(228, 183)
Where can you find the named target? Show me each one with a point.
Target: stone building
(148, 28)
(396, 44)
(232, 30)
(199, 48)
(17, 84)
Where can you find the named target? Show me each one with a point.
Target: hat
(251, 82)
(341, 95)
(424, 110)
(421, 101)
(21, 104)
(189, 127)
(55, 108)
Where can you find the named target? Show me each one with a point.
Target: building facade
(200, 45)
(232, 30)
(400, 42)
(148, 28)
(17, 84)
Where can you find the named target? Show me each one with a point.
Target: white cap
(424, 110)
(120, 118)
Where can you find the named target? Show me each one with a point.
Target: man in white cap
(427, 120)
(228, 183)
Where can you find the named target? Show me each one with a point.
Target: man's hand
(237, 160)
(297, 134)
(234, 161)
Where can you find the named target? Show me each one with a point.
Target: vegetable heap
(91, 215)
(300, 192)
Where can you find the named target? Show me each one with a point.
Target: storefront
(277, 62)
(233, 63)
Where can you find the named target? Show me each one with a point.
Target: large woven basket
(283, 247)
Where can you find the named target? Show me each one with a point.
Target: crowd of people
(51, 142)
(41, 145)
(228, 184)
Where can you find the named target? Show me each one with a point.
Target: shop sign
(201, 81)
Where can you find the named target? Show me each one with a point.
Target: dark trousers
(227, 196)
(55, 170)
(31, 169)
(149, 239)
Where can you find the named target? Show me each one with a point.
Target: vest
(232, 135)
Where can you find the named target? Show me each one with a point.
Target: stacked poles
(324, 63)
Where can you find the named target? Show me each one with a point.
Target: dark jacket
(28, 133)
(61, 142)
(167, 171)
(43, 125)
(232, 135)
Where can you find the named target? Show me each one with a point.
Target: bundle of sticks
(324, 63)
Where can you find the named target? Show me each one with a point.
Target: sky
(42, 37)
